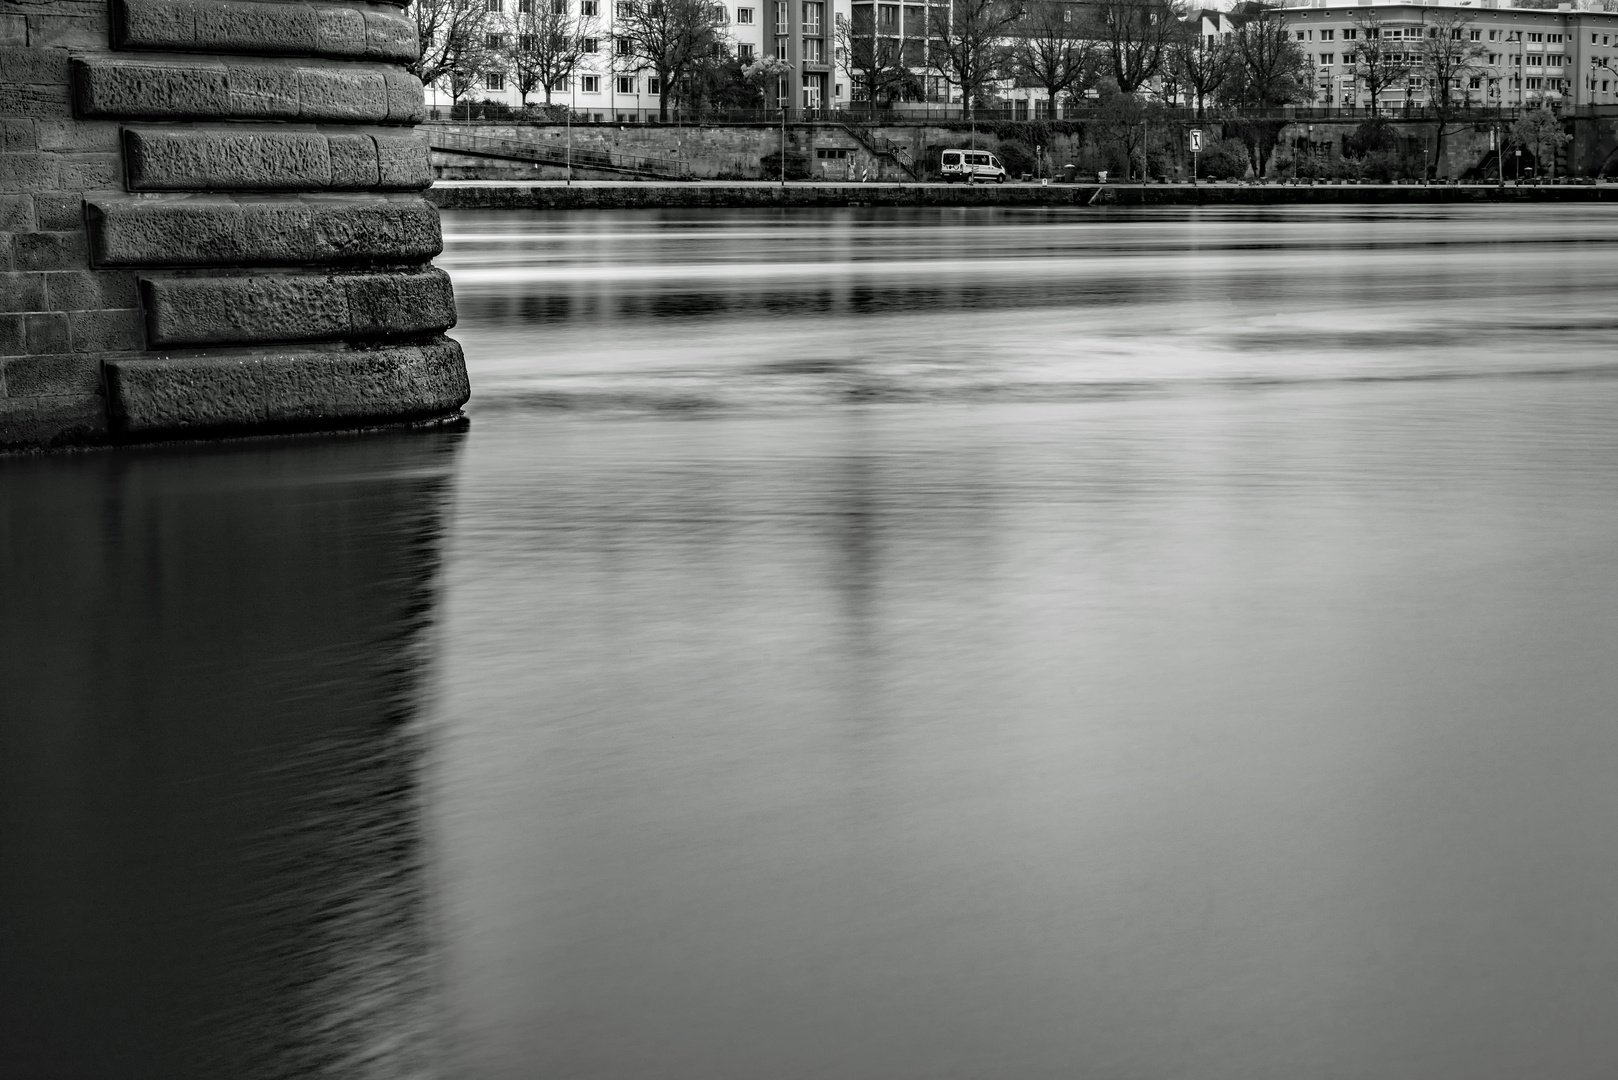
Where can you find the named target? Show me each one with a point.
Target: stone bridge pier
(211, 222)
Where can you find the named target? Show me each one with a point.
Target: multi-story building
(1523, 55)
(607, 88)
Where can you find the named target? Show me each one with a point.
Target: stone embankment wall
(211, 221)
(647, 196)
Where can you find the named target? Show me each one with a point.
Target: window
(525, 6)
(1536, 84)
(494, 80)
(495, 42)
(1553, 39)
(1535, 60)
(624, 9)
(1475, 83)
(1300, 35)
(589, 45)
(813, 12)
(590, 84)
(744, 52)
(887, 18)
(653, 87)
(814, 50)
(1494, 35)
(621, 46)
(1326, 59)
(1475, 35)
(589, 8)
(1325, 35)
(1494, 58)
(1536, 37)
(1350, 35)
(1603, 39)
(781, 16)
(744, 16)
(1348, 58)
(626, 84)
(529, 42)
(494, 7)
(781, 48)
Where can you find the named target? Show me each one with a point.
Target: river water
(936, 644)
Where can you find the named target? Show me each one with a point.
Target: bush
(1375, 135)
(1017, 157)
(1225, 159)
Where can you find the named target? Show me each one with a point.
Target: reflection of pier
(213, 858)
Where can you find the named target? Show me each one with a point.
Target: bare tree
(1134, 36)
(1378, 60)
(1268, 70)
(1203, 64)
(1449, 56)
(671, 38)
(968, 43)
(1052, 48)
(543, 44)
(451, 34)
(875, 63)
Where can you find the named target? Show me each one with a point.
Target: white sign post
(1196, 148)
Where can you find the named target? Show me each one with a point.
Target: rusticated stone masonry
(211, 221)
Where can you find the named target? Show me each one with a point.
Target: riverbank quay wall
(831, 151)
(212, 222)
(654, 196)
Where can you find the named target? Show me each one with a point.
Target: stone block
(59, 212)
(403, 162)
(226, 310)
(353, 161)
(140, 89)
(112, 87)
(106, 331)
(407, 99)
(46, 332)
(79, 290)
(296, 28)
(67, 31)
(346, 93)
(188, 394)
(92, 172)
(295, 307)
(155, 24)
(53, 375)
(216, 230)
(13, 30)
(27, 99)
(257, 27)
(17, 136)
(7, 260)
(391, 36)
(50, 251)
(260, 92)
(182, 159)
(53, 421)
(76, 136)
(342, 30)
(13, 338)
(31, 172)
(380, 305)
(33, 67)
(271, 159)
(22, 291)
(16, 213)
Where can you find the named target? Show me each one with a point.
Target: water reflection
(212, 858)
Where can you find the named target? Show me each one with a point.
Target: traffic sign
(1196, 140)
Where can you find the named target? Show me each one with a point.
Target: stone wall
(211, 221)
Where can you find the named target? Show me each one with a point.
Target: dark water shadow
(212, 859)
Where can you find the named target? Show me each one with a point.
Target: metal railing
(591, 158)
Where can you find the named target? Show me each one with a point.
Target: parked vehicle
(971, 166)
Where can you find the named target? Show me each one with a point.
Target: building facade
(1524, 56)
(606, 88)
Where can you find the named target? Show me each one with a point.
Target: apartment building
(1525, 55)
(801, 32)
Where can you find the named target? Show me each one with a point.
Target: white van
(971, 166)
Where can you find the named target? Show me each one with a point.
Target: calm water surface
(856, 644)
